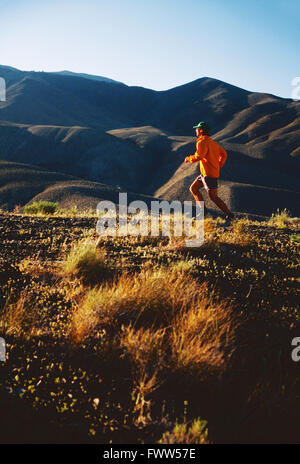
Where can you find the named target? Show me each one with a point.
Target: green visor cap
(201, 125)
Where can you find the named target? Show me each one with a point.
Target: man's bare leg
(213, 195)
(195, 191)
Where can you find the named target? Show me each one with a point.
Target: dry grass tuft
(17, 318)
(282, 219)
(195, 434)
(199, 336)
(39, 269)
(210, 225)
(22, 318)
(145, 346)
(165, 319)
(150, 298)
(238, 235)
(144, 386)
(88, 262)
(215, 236)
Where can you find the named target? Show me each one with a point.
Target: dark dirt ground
(262, 283)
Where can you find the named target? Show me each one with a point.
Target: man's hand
(187, 159)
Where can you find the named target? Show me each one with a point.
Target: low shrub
(41, 207)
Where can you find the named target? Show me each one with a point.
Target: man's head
(202, 128)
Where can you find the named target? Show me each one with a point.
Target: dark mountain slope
(92, 77)
(137, 138)
(21, 184)
(50, 98)
(79, 151)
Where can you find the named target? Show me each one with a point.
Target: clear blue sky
(157, 44)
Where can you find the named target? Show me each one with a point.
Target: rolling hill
(92, 77)
(135, 138)
(21, 184)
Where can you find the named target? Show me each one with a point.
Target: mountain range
(78, 138)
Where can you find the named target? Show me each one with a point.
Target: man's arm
(201, 151)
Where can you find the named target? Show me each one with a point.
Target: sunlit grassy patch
(145, 346)
(200, 334)
(41, 207)
(119, 360)
(238, 234)
(170, 319)
(151, 297)
(282, 219)
(195, 433)
(87, 261)
(40, 309)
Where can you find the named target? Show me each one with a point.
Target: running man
(212, 157)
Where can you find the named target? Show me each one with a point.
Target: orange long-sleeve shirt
(211, 156)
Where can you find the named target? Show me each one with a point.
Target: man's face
(199, 132)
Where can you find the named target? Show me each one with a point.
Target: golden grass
(215, 236)
(21, 318)
(196, 433)
(86, 261)
(210, 225)
(145, 346)
(282, 219)
(151, 297)
(39, 270)
(164, 319)
(41, 309)
(144, 386)
(199, 335)
(238, 235)
(15, 317)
